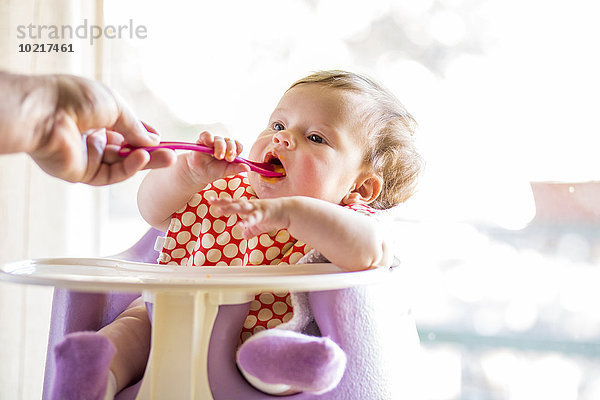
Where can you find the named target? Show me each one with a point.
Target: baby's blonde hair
(389, 143)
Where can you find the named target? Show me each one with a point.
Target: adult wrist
(28, 105)
(37, 109)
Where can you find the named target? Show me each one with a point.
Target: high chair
(377, 334)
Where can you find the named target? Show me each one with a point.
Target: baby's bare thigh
(132, 325)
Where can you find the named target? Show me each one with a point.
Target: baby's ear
(365, 190)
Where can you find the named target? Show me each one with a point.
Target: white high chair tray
(186, 297)
(105, 274)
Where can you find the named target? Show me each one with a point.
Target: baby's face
(314, 134)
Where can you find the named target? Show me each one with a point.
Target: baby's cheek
(311, 179)
(256, 150)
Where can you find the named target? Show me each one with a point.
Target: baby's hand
(258, 216)
(208, 168)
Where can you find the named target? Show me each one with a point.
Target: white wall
(39, 216)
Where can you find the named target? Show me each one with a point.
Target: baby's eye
(278, 126)
(316, 138)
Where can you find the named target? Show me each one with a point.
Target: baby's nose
(284, 138)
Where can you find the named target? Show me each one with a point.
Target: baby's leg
(83, 359)
(282, 362)
(130, 334)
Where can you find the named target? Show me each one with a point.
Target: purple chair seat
(347, 316)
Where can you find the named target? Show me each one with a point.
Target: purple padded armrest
(343, 315)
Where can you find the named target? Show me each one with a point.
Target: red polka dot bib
(197, 237)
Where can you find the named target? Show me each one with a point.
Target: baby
(346, 148)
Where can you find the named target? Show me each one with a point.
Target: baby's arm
(164, 191)
(347, 238)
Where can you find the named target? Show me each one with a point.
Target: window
(506, 246)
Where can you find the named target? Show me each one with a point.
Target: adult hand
(73, 127)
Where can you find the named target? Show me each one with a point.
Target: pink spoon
(264, 169)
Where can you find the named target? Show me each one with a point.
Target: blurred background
(501, 245)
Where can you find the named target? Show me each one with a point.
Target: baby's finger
(220, 148)
(249, 220)
(231, 150)
(206, 138)
(250, 224)
(238, 207)
(229, 206)
(235, 168)
(239, 148)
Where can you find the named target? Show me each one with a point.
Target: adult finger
(148, 127)
(95, 142)
(132, 129)
(62, 155)
(158, 158)
(122, 170)
(109, 167)
(114, 138)
(161, 158)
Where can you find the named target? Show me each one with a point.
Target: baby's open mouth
(272, 159)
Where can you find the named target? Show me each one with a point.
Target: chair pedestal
(182, 323)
